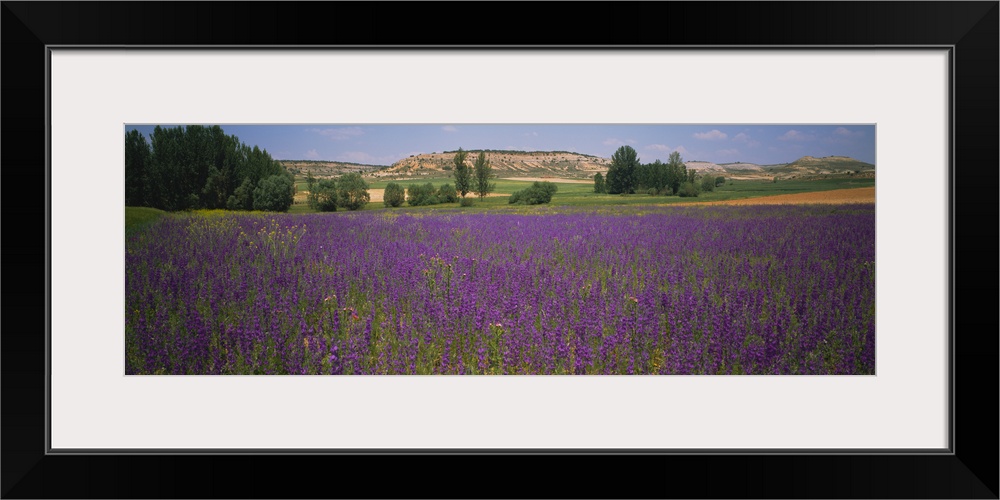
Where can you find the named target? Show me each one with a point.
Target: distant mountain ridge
(803, 168)
(322, 169)
(568, 164)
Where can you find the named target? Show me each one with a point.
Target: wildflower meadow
(713, 290)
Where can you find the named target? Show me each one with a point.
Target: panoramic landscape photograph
(499, 249)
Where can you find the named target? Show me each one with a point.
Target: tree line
(626, 175)
(196, 166)
(350, 191)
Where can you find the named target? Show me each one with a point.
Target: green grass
(140, 217)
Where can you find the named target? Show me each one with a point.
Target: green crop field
(578, 195)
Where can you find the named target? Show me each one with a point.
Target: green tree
(688, 189)
(242, 197)
(394, 195)
(193, 167)
(136, 163)
(622, 173)
(463, 179)
(352, 192)
(323, 197)
(720, 180)
(447, 194)
(421, 195)
(310, 181)
(676, 172)
(483, 184)
(538, 193)
(707, 184)
(599, 186)
(274, 193)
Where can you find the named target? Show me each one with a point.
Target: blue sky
(385, 144)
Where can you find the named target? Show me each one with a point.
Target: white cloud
(713, 135)
(681, 150)
(745, 139)
(795, 135)
(531, 134)
(449, 128)
(312, 155)
(728, 152)
(658, 147)
(843, 132)
(338, 134)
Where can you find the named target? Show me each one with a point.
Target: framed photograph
(923, 94)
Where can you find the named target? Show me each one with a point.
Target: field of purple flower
(671, 290)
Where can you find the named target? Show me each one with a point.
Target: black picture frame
(969, 470)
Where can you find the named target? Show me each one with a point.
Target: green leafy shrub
(275, 193)
(323, 197)
(447, 194)
(688, 190)
(352, 192)
(537, 194)
(394, 195)
(417, 196)
(707, 184)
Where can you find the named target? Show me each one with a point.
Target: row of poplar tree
(197, 166)
(627, 175)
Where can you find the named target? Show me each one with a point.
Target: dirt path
(833, 197)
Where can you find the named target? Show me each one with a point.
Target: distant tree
(274, 193)
(483, 175)
(417, 196)
(538, 193)
(324, 196)
(463, 178)
(688, 190)
(707, 184)
(394, 195)
(622, 172)
(447, 194)
(676, 172)
(720, 181)
(645, 177)
(599, 186)
(137, 155)
(310, 181)
(352, 192)
(311, 187)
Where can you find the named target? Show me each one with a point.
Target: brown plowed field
(833, 197)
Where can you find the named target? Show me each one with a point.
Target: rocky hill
(807, 167)
(505, 164)
(324, 169)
